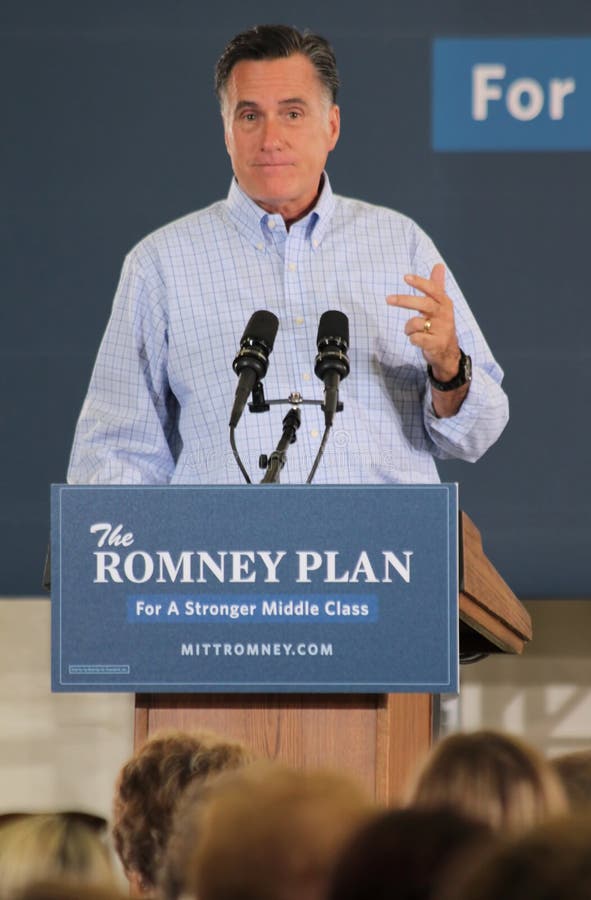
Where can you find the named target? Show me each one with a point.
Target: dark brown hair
(410, 854)
(149, 787)
(550, 862)
(279, 42)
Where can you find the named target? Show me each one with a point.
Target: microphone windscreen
(262, 328)
(333, 324)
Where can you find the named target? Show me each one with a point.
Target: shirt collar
(251, 220)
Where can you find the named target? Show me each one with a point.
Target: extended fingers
(425, 305)
(432, 287)
(433, 330)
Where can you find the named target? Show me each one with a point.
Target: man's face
(280, 127)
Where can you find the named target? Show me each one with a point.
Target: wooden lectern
(375, 737)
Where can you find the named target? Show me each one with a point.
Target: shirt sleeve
(485, 411)
(127, 429)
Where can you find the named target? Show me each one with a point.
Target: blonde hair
(66, 890)
(491, 776)
(36, 848)
(574, 771)
(271, 833)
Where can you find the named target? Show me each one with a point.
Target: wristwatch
(464, 375)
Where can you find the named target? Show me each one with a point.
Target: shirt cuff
(477, 424)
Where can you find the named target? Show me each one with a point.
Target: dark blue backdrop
(110, 128)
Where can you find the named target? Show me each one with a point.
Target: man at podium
(423, 383)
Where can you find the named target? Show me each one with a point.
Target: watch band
(463, 377)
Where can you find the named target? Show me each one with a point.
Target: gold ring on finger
(427, 325)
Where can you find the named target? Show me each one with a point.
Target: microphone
(332, 363)
(252, 359)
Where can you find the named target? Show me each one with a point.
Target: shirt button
(314, 433)
(315, 244)
(306, 376)
(260, 246)
(271, 224)
(292, 267)
(299, 320)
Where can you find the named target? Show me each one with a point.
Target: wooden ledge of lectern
(492, 620)
(377, 738)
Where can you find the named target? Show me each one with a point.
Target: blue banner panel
(511, 94)
(255, 588)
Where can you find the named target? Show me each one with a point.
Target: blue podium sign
(255, 588)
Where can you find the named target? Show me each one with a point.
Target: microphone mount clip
(259, 404)
(275, 462)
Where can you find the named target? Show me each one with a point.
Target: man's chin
(278, 195)
(274, 201)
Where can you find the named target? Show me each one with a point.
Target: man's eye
(294, 114)
(249, 116)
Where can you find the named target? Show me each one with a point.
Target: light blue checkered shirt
(159, 400)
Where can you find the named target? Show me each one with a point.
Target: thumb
(438, 276)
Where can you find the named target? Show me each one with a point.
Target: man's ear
(334, 123)
(226, 135)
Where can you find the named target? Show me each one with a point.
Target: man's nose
(272, 136)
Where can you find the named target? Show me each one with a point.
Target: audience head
(46, 846)
(492, 777)
(174, 879)
(65, 890)
(270, 833)
(574, 771)
(408, 854)
(149, 788)
(550, 862)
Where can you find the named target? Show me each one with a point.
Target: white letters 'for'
(524, 97)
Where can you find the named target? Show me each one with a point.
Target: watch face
(468, 369)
